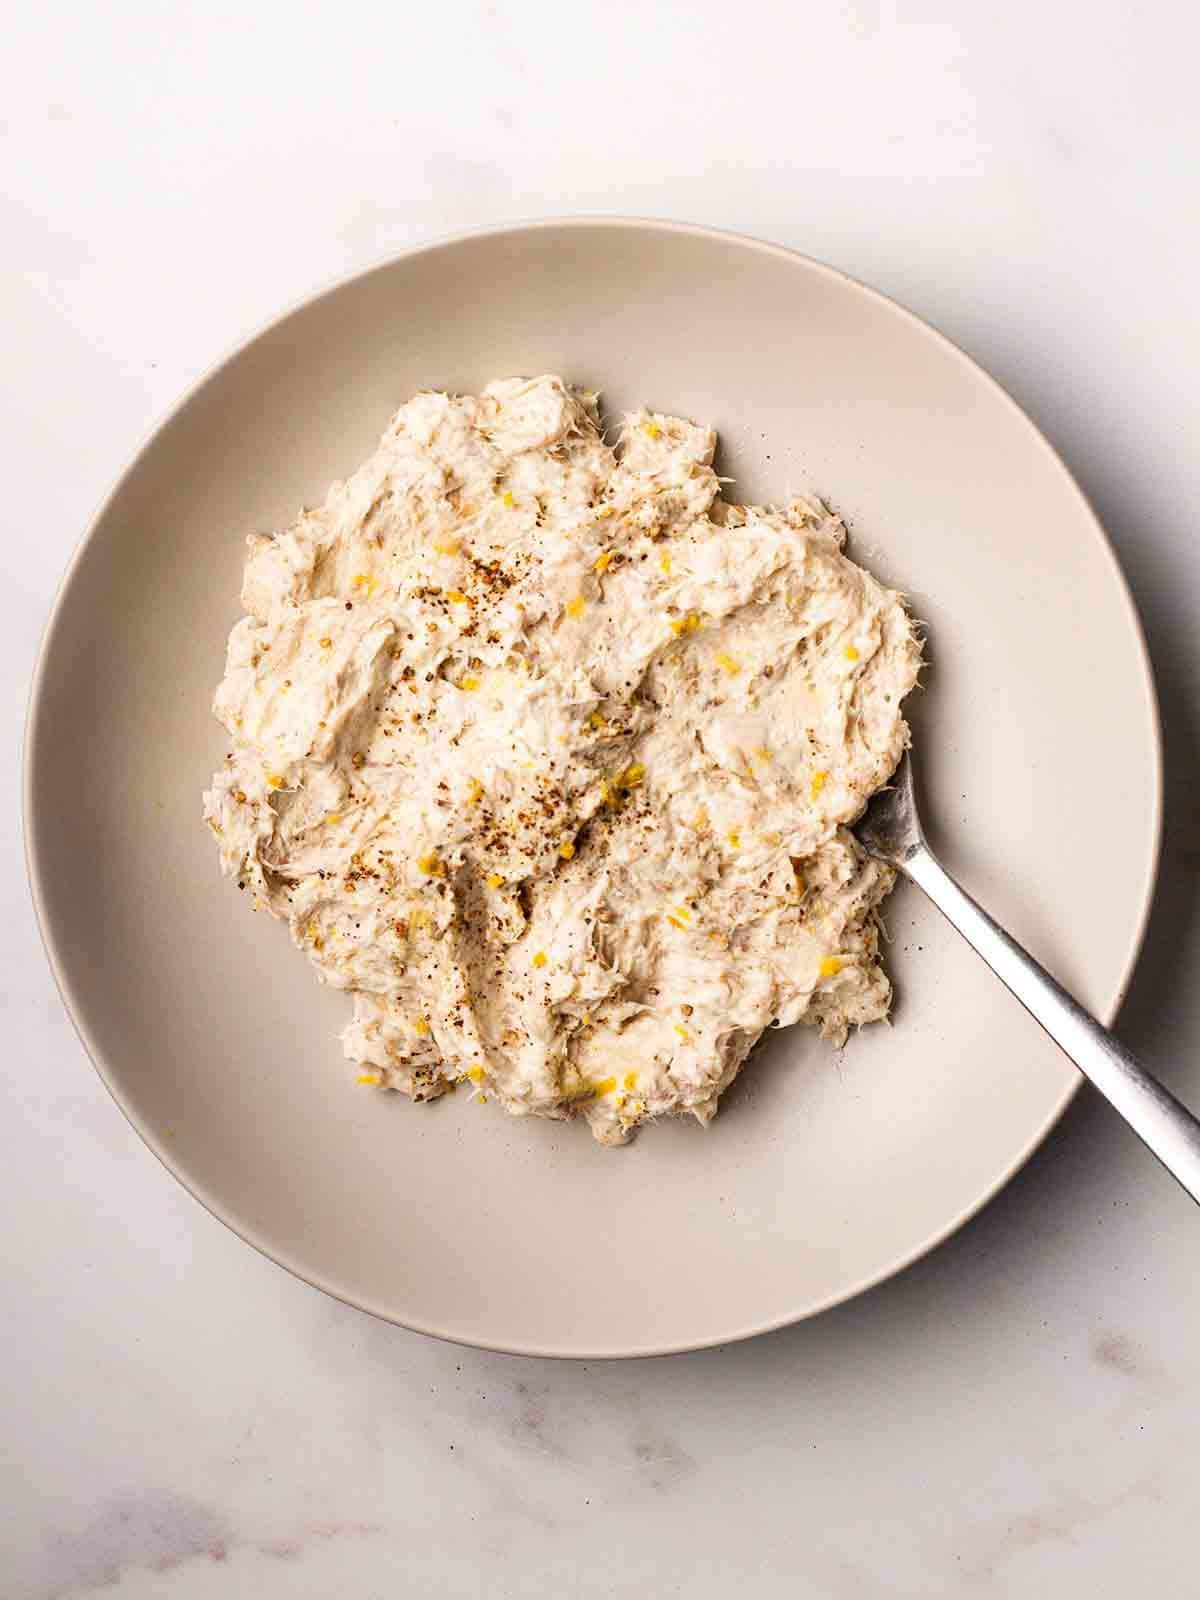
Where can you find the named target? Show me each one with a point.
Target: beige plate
(823, 1173)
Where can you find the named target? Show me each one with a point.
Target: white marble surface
(1015, 1416)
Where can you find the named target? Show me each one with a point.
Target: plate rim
(34, 734)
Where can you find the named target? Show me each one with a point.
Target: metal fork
(890, 829)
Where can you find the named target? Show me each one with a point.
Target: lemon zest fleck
(274, 781)
(540, 958)
(495, 880)
(727, 663)
(735, 839)
(819, 780)
(851, 653)
(576, 607)
(508, 500)
(631, 777)
(369, 1077)
(682, 1032)
(448, 547)
(687, 624)
(630, 1080)
(456, 596)
(421, 1028)
(604, 1086)
(603, 561)
(475, 1074)
(431, 865)
(566, 849)
(652, 430)
(830, 966)
(664, 561)
(469, 684)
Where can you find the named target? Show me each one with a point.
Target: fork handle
(1167, 1127)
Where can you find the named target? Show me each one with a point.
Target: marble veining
(1011, 1417)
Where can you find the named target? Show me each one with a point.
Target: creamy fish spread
(546, 754)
